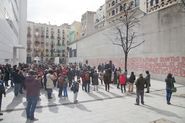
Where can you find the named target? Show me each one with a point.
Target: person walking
(131, 82)
(32, 86)
(140, 82)
(2, 91)
(169, 85)
(147, 80)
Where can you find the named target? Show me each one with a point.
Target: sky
(57, 12)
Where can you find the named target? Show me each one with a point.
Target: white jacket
(49, 83)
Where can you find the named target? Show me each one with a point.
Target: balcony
(159, 4)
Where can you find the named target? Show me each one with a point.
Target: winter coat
(132, 78)
(95, 79)
(169, 83)
(49, 83)
(122, 79)
(140, 82)
(32, 86)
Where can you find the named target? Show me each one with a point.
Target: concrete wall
(162, 52)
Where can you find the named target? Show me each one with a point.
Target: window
(113, 3)
(113, 12)
(121, 7)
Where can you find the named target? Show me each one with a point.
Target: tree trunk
(126, 57)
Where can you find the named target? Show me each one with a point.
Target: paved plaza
(99, 107)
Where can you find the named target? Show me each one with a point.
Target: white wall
(162, 52)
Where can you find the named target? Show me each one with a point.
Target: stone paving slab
(99, 107)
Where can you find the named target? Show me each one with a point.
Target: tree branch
(135, 46)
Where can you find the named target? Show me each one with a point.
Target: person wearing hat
(140, 82)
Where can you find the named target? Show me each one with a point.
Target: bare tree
(125, 34)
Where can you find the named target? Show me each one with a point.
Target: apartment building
(99, 19)
(46, 42)
(114, 9)
(87, 21)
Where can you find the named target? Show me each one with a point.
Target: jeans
(140, 93)
(60, 91)
(168, 95)
(75, 96)
(87, 87)
(0, 101)
(65, 91)
(122, 88)
(49, 91)
(17, 88)
(31, 105)
(107, 86)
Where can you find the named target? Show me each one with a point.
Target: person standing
(147, 80)
(169, 85)
(107, 80)
(2, 91)
(75, 89)
(140, 82)
(131, 82)
(122, 81)
(32, 86)
(49, 84)
(95, 81)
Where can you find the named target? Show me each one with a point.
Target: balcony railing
(155, 5)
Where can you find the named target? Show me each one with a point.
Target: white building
(13, 14)
(100, 17)
(87, 22)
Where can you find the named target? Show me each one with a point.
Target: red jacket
(122, 79)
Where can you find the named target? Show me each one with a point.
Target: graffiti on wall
(159, 65)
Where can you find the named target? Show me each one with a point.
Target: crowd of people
(34, 77)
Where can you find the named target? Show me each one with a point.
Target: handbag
(174, 89)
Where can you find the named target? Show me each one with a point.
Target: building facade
(162, 52)
(46, 42)
(87, 21)
(13, 14)
(75, 31)
(115, 9)
(99, 19)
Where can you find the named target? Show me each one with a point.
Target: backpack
(75, 87)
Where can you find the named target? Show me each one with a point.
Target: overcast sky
(60, 11)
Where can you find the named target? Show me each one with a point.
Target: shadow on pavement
(160, 111)
(53, 107)
(15, 102)
(94, 96)
(103, 94)
(82, 107)
(177, 106)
